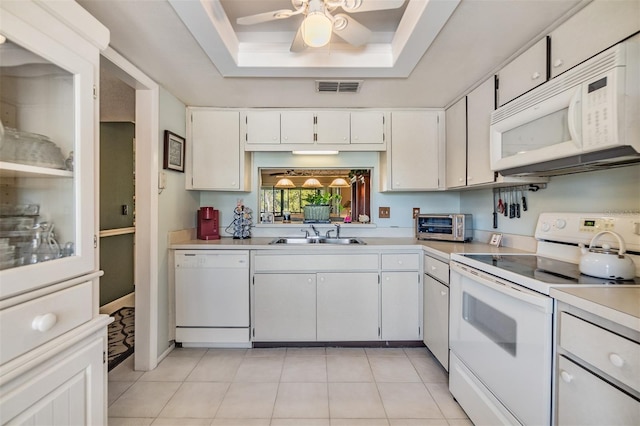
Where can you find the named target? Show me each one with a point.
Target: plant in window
(321, 198)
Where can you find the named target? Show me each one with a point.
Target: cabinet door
(296, 127)
(400, 306)
(436, 319)
(333, 127)
(215, 150)
(480, 105)
(348, 306)
(585, 399)
(414, 152)
(48, 76)
(367, 127)
(456, 137)
(263, 127)
(523, 73)
(284, 307)
(601, 24)
(63, 391)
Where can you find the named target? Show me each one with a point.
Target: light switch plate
(384, 212)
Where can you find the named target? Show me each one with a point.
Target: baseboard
(128, 300)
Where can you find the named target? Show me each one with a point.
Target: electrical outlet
(416, 212)
(125, 210)
(384, 212)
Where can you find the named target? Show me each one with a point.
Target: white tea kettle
(606, 262)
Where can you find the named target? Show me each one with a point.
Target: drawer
(402, 261)
(437, 269)
(615, 355)
(315, 263)
(30, 324)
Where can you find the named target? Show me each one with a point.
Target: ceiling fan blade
(351, 30)
(265, 17)
(298, 43)
(353, 6)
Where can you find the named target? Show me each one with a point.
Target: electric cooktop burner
(545, 269)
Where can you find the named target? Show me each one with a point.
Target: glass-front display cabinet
(47, 162)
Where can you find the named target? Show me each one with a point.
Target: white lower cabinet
(599, 383)
(66, 389)
(586, 399)
(436, 319)
(284, 307)
(400, 305)
(347, 306)
(436, 309)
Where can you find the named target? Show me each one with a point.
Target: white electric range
(501, 316)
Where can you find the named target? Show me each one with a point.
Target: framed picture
(174, 148)
(495, 240)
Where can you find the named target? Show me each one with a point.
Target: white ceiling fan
(319, 22)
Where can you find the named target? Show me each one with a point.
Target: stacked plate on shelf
(31, 149)
(17, 222)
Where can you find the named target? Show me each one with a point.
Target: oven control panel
(575, 228)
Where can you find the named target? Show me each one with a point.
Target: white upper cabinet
(297, 127)
(411, 162)
(300, 130)
(527, 71)
(480, 105)
(593, 29)
(215, 160)
(333, 127)
(456, 147)
(367, 127)
(48, 79)
(262, 127)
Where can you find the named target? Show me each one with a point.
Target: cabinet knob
(460, 179)
(344, 138)
(399, 262)
(558, 63)
(309, 280)
(433, 268)
(356, 137)
(286, 138)
(44, 322)
(274, 138)
(616, 360)
(566, 377)
(535, 75)
(443, 293)
(469, 178)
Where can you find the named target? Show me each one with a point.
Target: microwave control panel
(599, 109)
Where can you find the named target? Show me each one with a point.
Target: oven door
(503, 333)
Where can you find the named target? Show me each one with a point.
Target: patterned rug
(121, 336)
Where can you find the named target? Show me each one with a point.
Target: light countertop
(438, 249)
(618, 304)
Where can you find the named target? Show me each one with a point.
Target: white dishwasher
(212, 298)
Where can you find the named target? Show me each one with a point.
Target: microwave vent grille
(603, 62)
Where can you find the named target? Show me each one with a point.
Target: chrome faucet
(306, 233)
(315, 231)
(331, 230)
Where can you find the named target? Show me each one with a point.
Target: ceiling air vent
(338, 86)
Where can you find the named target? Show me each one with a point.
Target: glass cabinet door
(47, 201)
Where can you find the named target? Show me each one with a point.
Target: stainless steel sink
(316, 240)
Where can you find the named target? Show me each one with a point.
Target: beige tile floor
(286, 387)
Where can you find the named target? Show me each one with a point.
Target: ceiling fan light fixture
(316, 29)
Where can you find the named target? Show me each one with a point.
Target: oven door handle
(543, 302)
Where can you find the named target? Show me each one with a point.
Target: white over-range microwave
(585, 119)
